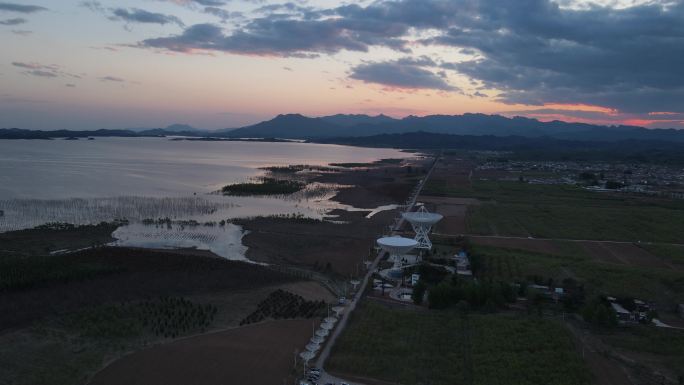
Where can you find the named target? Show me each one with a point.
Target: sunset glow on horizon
(219, 64)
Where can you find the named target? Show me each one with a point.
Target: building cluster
(627, 177)
(462, 263)
(631, 311)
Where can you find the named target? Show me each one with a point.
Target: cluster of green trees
(486, 295)
(171, 317)
(167, 317)
(266, 186)
(597, 312)
(283, 304)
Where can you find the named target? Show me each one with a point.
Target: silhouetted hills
(296, 126)
(290, 126)
(302, 127)
(350, 120)
(526, 148)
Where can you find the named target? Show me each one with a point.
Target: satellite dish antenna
(422, 222)
(338, 310)
(327, 326)
(307, 355)
(396, 247)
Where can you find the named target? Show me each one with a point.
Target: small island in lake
(265, 186)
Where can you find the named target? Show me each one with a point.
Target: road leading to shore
(323, 356)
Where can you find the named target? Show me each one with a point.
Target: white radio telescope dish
(422, 222)
(396, 247)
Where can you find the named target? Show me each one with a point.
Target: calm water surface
(108, 167)
(86, 182)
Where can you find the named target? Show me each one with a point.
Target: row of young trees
(486, 295)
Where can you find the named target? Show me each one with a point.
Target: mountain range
(296, 126)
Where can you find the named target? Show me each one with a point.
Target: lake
(89, 181)
(109, 167)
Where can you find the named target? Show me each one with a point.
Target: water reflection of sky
(87, 182)
(108, 167)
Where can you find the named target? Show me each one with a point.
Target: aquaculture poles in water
(422, 222)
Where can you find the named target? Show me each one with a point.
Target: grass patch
(266, 186)
(446, 348)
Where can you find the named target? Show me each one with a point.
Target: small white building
(462, 263)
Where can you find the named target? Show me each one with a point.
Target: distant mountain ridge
(297, 126)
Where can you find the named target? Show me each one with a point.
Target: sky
(228, 63)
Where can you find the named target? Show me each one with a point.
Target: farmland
(66, 316)
(251, 355)
(662, 285)
(664, 346)
(436, 347)
(561, 211)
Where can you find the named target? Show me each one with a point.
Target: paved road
(323, 355)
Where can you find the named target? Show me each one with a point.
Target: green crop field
(435, 347)
(656, 284)
(565, 212)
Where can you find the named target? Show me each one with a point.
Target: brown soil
(375, 186)
(623, 253)
(256, 354)
(323, 246)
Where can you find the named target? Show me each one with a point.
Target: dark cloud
(132, 15)
(136, 15)
(536, 53)
(205, 3)
(276, 36)
(44, 70)
(21, 8)
(21, 32)
(532, 51)
(15, 21)
(113, 79)
(210, 3)
(222, 14)
(404, 74)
